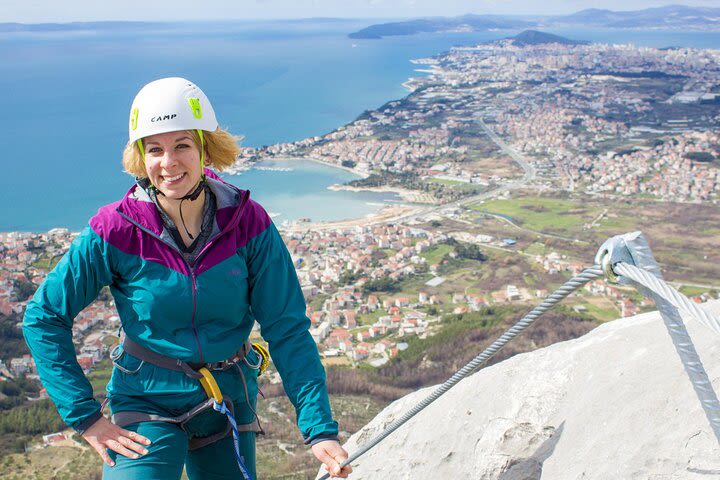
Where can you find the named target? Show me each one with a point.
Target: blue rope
(222, 408)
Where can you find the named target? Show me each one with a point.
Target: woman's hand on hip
(331, 454)
(103, 435)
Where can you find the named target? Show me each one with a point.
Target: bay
(67, 96)
(297, 189)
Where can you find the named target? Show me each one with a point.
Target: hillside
(615, 403)
(668, 16)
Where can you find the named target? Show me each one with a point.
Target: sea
(66, 97)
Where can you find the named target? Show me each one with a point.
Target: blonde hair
(221, 151)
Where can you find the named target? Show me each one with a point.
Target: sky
(41, 11)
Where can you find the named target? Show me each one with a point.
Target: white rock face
(614, 404)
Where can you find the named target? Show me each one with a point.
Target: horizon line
(544, 14)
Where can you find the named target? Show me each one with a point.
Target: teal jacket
(198, 313)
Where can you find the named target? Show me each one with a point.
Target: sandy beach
(406, 195)
(384, 215)
(328, 164)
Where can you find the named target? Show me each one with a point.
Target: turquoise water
(302, 191)
(66, 98)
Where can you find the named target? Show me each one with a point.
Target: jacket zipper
(192, 322)
(193, 281)
(193, 267)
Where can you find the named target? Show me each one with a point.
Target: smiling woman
(187, 300)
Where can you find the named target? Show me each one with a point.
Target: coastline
(383, 215)
(361, 174)
(406, 195)
(409, 202)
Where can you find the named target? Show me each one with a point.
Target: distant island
(534, 37)
(671, 16)
(468, 23)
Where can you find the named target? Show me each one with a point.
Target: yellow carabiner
(264, 356)
(210, 385)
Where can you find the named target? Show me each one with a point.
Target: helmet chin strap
(192, 197)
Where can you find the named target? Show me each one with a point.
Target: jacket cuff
(88, 422)
(320, 438)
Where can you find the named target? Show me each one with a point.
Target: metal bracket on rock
(631, 248)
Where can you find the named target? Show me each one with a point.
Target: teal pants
(169, 452)
(145, 388)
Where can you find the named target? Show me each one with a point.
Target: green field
(444, 181)
(599, 314)
(543, 214)
(536, 249)
(455, 184)
(47, 261)
(436, 254)
(689, 291)
(366, 319)
(410, 286)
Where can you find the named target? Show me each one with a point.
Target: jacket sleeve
(72, 285)
(278, 305)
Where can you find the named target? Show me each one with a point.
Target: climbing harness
(203, 373)
(625, 259)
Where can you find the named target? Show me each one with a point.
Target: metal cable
(566, 289)
(662, 289)
(668, 302)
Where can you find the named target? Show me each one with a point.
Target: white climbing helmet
(169, 105)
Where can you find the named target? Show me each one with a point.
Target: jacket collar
(140, 208)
